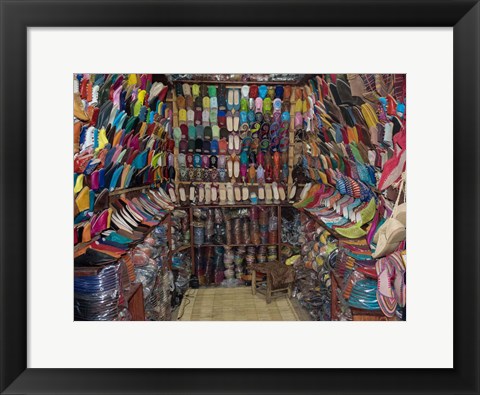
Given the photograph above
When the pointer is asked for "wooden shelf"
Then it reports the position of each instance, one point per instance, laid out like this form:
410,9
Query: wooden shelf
234,205
233,245
133,189
181,248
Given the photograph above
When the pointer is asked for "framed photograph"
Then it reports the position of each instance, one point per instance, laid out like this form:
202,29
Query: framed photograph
240,187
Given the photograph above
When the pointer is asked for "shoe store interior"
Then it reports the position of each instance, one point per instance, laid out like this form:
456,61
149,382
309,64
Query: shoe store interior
239,197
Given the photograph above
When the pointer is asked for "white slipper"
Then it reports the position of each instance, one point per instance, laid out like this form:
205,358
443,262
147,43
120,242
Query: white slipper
293,192
281,192
245,193
223,194
238,194
171,193
236,143
230,196
261,193
276,196
245,91
305,190
214,194
268,194
236,168
201,194
230,167
183,196
208,194
192,194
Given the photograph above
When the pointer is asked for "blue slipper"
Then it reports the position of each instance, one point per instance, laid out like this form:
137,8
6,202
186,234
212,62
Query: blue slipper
243,117
262,91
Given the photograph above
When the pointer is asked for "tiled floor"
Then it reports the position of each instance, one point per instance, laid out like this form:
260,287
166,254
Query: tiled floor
234,304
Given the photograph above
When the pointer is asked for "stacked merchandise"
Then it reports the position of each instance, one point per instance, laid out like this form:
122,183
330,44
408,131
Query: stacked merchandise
312,270
354,160
225,241
180,229
291,236
232,142
150,260
97,295
121,142
182,270
121,133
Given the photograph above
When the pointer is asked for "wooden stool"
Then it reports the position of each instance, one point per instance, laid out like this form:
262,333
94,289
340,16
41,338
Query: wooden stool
269,292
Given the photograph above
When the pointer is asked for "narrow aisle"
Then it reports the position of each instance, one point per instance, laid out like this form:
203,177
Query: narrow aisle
234,304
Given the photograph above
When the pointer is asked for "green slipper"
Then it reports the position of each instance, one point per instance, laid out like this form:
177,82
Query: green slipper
212,91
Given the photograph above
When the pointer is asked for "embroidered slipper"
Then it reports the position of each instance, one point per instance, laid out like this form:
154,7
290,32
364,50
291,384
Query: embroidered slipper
264,145
385,295
250,116
252,173
236,143
230,121
246,144
260,159
213,162
243,118
260,175
238,193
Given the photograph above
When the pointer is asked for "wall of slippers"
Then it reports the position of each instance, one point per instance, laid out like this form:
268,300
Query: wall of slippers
332,145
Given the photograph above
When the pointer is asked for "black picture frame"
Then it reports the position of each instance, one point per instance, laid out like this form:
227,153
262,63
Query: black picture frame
17,16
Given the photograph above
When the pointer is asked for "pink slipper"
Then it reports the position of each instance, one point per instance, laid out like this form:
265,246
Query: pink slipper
385,295
393,169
